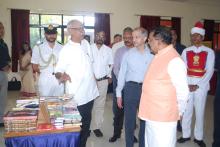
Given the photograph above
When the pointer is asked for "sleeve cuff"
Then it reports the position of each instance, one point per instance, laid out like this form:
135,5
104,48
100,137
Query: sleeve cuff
118,94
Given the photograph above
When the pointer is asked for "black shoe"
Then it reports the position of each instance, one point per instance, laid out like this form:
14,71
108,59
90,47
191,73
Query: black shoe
179,127
2,125
98,133
201,143
182,140
135,140
114,138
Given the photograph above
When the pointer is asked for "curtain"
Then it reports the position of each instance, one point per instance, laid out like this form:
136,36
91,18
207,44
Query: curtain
176,24
209,29
149,22
102,23
20,33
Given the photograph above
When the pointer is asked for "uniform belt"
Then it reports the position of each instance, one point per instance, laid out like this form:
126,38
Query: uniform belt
133,82
103,78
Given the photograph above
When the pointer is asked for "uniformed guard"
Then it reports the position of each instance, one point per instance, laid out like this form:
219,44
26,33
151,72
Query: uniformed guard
44,59
199,60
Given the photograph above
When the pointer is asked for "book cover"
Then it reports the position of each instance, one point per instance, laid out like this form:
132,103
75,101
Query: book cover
21,115
45,126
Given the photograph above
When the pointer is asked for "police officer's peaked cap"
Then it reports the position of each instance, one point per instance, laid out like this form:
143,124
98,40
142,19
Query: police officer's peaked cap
50,29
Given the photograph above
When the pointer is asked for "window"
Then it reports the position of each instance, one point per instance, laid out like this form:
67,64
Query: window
39,21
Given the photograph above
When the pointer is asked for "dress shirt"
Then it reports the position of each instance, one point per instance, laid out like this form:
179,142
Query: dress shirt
102,61
4,55
44,52
116,46
74,62
133,67
178,74
204,81
118,58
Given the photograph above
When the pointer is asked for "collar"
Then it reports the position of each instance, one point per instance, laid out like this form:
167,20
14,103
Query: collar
197,49
74,43
164,50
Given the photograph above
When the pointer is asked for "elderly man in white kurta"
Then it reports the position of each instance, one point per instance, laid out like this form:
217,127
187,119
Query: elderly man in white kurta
74,68
44,59
102,65
200,67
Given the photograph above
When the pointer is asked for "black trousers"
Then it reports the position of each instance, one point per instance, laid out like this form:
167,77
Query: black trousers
118,113
216,134
86,114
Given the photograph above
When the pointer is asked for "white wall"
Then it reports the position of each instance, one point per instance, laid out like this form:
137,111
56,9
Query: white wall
123,12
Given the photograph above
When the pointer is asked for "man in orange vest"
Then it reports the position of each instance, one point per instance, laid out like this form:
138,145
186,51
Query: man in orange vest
200,67
164,92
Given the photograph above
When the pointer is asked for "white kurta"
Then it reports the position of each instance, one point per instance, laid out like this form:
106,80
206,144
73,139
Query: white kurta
87,49
198,97
102,66
76,63
47,57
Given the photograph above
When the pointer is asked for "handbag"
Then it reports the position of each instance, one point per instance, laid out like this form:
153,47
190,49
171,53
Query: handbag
14,84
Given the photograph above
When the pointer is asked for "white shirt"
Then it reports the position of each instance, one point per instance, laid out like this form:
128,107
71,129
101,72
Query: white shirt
103,61
178,74
116,46
45,56
209,67
74,62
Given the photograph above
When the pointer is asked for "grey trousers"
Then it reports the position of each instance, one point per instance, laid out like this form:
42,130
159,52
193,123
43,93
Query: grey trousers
132,94
3,93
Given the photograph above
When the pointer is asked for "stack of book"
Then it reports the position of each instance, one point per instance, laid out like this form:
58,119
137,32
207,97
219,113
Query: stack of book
71,116
20,121
62,111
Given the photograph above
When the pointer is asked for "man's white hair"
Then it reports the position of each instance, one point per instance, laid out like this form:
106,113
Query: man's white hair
73,22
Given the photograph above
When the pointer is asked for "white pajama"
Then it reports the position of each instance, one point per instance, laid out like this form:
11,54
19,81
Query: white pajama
160,134
197,100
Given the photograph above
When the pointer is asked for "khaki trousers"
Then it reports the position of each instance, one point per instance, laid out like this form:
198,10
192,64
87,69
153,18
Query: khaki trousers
99,104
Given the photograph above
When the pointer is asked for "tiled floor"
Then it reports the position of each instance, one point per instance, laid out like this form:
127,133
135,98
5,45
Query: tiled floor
108,128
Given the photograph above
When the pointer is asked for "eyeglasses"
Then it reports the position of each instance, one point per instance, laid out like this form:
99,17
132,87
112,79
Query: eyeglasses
75,28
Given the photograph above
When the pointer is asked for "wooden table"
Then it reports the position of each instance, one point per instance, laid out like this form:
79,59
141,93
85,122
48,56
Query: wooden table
27,139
